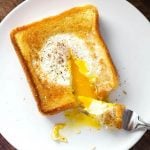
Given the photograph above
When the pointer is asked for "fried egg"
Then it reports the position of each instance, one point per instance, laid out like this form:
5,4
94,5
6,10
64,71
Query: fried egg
55,55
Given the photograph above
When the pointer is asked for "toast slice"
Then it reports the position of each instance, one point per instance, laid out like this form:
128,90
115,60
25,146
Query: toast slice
64,56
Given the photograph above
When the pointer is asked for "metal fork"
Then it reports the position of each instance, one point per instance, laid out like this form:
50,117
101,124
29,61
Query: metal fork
133,122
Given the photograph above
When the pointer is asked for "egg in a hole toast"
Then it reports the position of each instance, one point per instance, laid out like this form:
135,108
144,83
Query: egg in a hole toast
68,64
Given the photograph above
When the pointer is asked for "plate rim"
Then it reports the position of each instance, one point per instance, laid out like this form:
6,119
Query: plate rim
8,16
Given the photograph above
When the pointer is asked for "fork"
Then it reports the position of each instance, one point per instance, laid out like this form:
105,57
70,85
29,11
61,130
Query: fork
132,121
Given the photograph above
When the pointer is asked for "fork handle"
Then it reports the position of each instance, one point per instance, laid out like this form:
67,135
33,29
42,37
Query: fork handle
142,124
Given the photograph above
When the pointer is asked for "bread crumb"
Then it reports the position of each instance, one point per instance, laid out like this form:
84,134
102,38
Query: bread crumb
120,84
93,148
78,131
124,92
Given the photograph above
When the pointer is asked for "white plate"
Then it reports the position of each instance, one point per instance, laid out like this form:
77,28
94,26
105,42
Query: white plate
127,34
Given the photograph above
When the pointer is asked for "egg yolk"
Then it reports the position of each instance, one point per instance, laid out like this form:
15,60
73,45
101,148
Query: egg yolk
81,83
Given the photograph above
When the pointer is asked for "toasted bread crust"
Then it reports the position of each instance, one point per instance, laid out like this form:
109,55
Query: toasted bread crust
28,72
119,115
104,94
115,73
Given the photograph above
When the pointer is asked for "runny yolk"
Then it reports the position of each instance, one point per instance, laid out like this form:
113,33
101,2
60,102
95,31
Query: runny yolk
78,119
81,83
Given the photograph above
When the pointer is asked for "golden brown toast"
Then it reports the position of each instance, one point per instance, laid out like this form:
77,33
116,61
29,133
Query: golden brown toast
36,45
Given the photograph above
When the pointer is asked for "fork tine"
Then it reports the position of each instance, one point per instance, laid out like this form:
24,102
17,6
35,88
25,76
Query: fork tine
127,115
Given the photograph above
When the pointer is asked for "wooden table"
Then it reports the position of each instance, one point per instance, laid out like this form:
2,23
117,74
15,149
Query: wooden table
143,5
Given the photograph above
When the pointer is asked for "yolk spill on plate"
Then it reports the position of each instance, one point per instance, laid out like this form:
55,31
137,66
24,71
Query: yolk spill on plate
56,133
75,118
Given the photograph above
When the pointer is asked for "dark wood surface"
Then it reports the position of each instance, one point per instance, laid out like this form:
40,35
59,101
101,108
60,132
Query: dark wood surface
143,5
